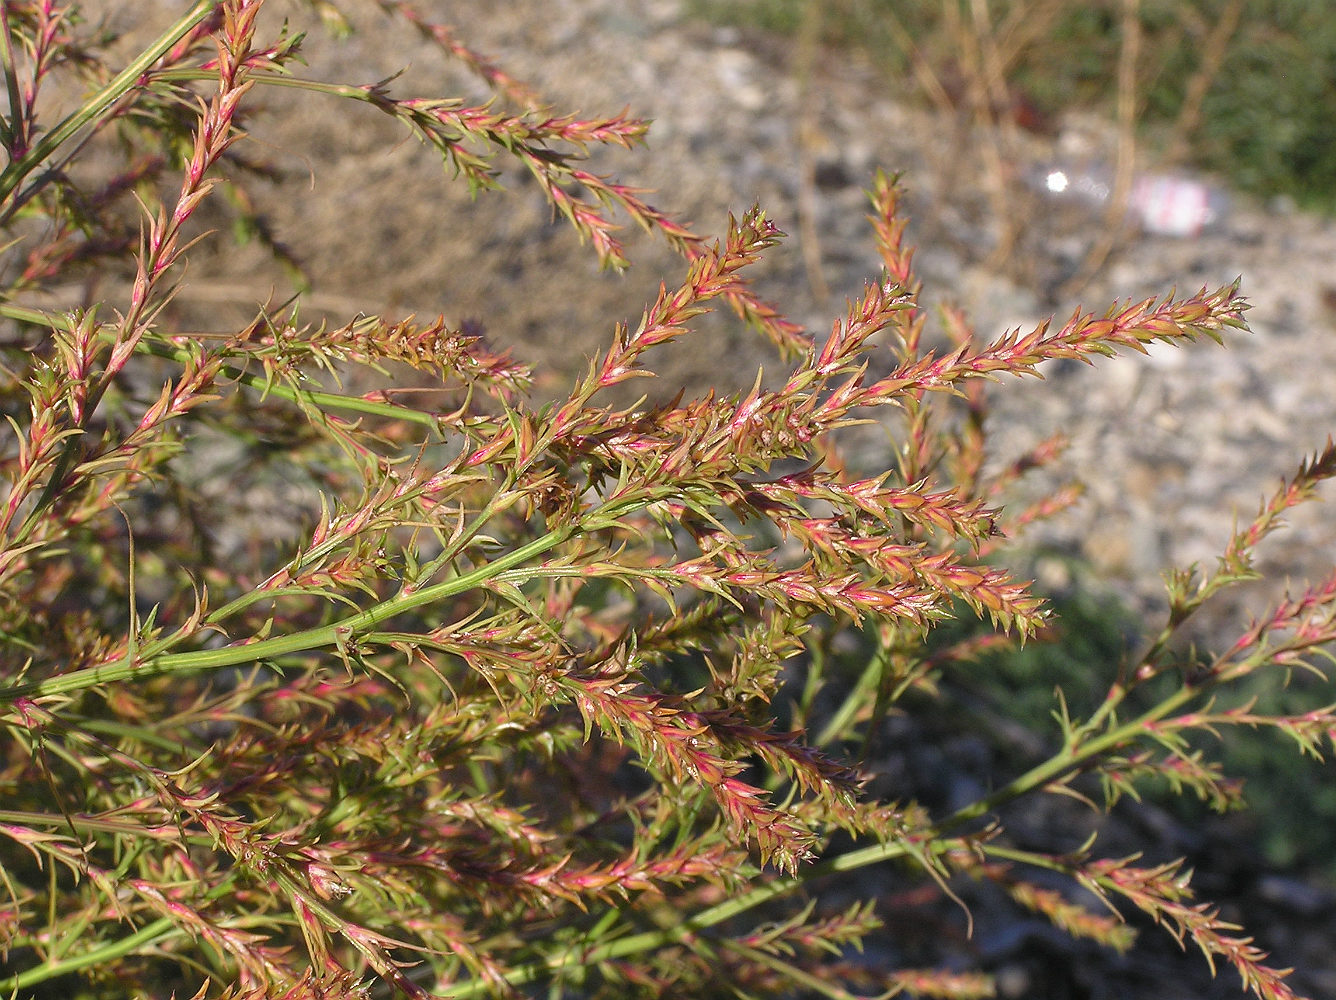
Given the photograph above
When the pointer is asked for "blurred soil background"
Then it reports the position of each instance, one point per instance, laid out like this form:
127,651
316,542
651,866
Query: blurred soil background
794,106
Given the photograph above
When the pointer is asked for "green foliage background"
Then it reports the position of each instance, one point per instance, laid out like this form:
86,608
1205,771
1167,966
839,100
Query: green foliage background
1267,118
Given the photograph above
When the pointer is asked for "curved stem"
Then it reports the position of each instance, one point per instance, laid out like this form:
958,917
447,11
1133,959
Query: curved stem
148,934
337,634
162,348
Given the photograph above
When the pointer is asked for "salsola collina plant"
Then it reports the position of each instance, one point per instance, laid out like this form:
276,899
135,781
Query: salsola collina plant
538,697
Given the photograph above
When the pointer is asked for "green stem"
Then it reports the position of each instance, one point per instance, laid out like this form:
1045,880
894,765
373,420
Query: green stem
17,817
1029,858
867,682
149,934
124,81
1069,759
315,397
353,92
338,633
318,398
13,133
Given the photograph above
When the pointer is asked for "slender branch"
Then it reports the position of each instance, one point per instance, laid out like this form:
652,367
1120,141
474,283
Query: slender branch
150,934
162,347
92,109
341,632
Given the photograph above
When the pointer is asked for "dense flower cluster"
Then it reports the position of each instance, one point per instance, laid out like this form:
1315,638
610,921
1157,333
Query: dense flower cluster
532,693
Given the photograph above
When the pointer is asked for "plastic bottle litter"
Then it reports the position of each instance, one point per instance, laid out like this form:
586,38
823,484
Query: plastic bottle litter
1162,204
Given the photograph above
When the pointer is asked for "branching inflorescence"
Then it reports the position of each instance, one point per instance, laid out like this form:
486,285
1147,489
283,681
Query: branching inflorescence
507,708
